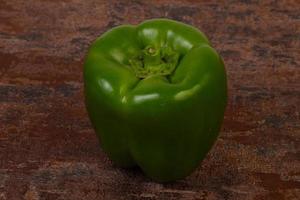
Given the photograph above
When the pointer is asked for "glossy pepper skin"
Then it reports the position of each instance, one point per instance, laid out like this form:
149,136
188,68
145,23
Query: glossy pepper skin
156,95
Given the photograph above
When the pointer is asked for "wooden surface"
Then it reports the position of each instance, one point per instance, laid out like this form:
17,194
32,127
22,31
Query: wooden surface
48,149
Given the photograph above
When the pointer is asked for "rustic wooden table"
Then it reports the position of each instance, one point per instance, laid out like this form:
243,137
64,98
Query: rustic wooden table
48,149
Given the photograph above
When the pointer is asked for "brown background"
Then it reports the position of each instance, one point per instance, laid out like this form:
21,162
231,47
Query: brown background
48,149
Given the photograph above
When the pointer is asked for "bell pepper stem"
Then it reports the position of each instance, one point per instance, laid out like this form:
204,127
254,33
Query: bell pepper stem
154,61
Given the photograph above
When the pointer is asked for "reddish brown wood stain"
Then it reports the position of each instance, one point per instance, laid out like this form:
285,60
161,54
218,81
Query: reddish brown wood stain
48,149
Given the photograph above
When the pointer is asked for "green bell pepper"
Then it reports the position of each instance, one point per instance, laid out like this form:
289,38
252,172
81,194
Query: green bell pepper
155,94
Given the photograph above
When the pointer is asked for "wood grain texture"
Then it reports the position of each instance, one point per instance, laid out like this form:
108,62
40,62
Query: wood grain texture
48,149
